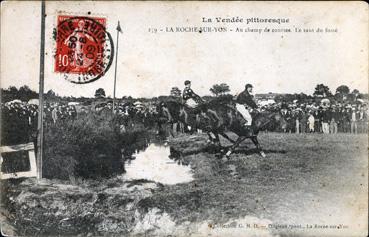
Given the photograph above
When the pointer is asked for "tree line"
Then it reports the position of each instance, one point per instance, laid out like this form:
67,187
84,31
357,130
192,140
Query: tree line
342,93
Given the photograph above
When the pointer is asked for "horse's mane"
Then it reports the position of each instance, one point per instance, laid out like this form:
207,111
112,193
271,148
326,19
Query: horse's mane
172,102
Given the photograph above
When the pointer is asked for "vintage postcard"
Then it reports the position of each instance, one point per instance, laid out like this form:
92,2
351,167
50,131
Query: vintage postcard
184,118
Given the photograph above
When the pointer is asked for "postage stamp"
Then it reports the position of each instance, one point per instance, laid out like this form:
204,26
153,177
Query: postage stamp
84,49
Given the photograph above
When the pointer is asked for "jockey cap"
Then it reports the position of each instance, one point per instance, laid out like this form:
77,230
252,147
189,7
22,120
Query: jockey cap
248,86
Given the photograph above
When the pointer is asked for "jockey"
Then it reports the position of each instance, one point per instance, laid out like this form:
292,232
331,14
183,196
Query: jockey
190,98
245,104
192,101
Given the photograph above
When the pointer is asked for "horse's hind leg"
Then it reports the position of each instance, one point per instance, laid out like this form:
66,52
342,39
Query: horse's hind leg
258,147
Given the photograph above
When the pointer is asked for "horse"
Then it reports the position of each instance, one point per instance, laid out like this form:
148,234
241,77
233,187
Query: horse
169,112
259,122
220,115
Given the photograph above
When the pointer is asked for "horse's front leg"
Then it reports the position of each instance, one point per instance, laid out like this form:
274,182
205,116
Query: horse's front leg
165,129
258,147
211,137
234,146
226,137
217,140
181,127
183,113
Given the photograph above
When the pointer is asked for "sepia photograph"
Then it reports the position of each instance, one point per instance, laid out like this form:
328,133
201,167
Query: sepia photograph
184,118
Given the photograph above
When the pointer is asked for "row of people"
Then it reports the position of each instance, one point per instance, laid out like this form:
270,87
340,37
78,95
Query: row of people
19,119
327,120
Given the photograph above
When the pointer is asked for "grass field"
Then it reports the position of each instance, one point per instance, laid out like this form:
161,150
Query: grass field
307,185
305,179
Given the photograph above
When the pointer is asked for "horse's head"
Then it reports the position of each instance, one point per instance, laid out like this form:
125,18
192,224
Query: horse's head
162,113
169,111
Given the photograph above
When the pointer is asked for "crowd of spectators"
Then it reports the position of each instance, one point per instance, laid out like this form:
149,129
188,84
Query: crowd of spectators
19,119
300,117
326,118
130,114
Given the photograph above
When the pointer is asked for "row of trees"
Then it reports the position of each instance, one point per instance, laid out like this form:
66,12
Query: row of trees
24,93
216,90
343,90
342,93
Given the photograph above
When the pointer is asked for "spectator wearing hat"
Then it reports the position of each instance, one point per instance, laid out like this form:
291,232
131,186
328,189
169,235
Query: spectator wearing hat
297,121
362,120
48,117
54,114
340,122
346,120
333,121
353,120
365,108
325,121
318,118
303,121
311,122
290,121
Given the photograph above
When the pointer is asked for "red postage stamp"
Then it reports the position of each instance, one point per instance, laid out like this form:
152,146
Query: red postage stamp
84,49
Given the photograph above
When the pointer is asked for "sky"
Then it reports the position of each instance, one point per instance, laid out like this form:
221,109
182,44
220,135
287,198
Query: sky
151,64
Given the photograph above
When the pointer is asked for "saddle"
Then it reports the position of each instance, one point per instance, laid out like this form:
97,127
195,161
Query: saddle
194,110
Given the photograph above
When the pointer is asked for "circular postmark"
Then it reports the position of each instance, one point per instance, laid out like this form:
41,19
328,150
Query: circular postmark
84,49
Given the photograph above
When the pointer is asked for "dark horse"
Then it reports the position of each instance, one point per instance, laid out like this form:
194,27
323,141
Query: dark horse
218,116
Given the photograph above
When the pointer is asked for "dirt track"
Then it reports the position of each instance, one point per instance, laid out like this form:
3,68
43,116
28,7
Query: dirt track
313,179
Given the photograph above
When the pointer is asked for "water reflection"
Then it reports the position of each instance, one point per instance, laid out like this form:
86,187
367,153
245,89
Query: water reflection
155,163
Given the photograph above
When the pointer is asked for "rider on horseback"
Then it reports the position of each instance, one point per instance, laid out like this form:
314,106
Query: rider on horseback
245,104
191,102
190,98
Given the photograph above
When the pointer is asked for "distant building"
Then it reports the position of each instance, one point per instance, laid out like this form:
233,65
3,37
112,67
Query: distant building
266,102
268,96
